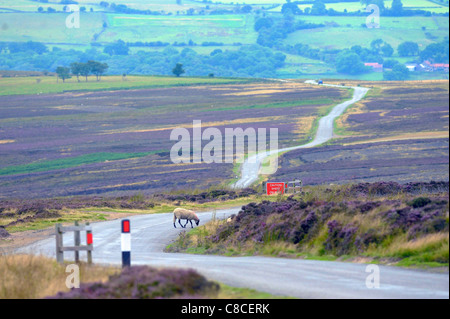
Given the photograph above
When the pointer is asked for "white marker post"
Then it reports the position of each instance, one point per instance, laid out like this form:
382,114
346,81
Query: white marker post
126,243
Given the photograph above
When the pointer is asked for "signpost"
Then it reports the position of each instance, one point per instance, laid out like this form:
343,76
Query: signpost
293,187
275,188
126,243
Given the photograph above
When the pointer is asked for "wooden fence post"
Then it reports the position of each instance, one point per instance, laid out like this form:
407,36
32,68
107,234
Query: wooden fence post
77,241
59,244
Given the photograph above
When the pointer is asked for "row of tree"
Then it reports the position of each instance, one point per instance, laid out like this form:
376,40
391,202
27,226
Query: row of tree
16,47
82,69
247,61
318,7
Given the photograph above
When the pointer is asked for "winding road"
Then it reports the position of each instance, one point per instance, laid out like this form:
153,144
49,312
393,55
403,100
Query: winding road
250,169
280,276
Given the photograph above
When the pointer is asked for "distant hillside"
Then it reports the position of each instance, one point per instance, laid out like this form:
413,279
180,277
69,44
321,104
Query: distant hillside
158,34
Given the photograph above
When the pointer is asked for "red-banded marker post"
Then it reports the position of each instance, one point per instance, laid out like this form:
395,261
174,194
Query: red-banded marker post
126,243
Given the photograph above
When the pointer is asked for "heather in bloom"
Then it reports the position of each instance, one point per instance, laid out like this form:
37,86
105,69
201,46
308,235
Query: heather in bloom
142,282
357,224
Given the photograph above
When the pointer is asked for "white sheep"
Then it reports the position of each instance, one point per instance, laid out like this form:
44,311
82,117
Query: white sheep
189,215
231,218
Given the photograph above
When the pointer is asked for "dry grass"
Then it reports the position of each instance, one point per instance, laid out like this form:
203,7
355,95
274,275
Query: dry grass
408,136
388,84
35,277
304,126
402,246
6,141
189,125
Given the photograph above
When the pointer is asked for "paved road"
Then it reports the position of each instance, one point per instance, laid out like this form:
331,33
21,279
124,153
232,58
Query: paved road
289,277
250,169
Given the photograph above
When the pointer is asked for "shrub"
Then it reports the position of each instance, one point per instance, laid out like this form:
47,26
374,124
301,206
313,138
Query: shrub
142,282
420,202
340,238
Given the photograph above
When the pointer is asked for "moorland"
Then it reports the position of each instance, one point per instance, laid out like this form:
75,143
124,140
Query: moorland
118,141
399,132
74,147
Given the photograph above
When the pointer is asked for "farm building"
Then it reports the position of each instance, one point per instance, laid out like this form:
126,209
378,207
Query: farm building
432,67
413,67
375,66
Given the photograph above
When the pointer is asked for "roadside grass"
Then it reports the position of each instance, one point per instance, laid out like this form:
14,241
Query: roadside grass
98,214
37,277
227,292
67,217
424,253
428,251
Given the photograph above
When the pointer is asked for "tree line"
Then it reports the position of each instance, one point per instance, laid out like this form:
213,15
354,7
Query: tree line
318,7
247,61
82,69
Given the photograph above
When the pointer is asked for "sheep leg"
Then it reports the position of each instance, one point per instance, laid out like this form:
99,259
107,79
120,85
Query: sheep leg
187,221
179,221
174,221
191,224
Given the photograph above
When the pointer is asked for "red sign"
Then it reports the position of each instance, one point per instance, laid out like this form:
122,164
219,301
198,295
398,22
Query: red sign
89,239
275,188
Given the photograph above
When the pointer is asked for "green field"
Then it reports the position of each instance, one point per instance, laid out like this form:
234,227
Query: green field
29,85
68,162
344,32
49,28
339,33
232,30
222,28
32,6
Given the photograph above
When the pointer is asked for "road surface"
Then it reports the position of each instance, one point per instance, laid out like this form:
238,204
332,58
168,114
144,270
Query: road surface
279,276
250,169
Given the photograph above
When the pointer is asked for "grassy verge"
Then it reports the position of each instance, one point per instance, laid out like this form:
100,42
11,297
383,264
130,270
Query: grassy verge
66,217
36,277
29,220
227,292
